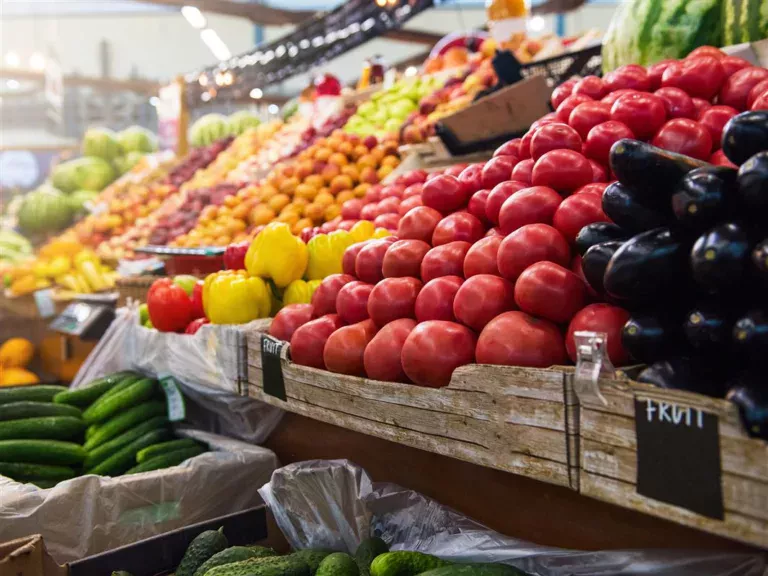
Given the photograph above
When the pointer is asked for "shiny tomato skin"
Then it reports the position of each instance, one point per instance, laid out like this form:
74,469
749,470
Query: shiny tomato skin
170,307
685,136
498,196
472,177
517,339
563,170
550,291
613,96
732,64
344,349
757,90
603,318
736,89
352,301
677,102
324,297
418,224
536,204
288,319
523,171
351,209
562,92
530,244
481,298
393,298
719,158
434,349
308,341
599,173
710,51
586,116
497,169
594,188
577,211
350,256
655,72
509,148
382,356
591,86
435,301
403,258
576,268
413,190
628,77
481,258
553,136
598,144
643,113
701,106
387,221
370,259
458,227
455,170
525,145
408,203
388,205
700,77
761,102
445,194
567,106
477,203
714,119
445,260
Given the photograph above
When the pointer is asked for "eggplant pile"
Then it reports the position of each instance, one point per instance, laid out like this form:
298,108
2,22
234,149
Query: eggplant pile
687,255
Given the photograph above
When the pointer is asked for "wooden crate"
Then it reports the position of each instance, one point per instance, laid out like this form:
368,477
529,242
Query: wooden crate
513,419
134,288
608,456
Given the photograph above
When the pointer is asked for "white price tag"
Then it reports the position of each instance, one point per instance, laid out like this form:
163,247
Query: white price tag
44,301
175,400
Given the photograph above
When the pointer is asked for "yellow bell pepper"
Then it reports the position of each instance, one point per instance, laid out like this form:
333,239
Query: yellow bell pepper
24,285
362,231
234,297
277,254
300,292
381,233
326,252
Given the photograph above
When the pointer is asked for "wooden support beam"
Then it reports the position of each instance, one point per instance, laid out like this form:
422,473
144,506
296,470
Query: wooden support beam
257,13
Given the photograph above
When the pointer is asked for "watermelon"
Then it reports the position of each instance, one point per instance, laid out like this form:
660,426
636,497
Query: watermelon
744,21
101,143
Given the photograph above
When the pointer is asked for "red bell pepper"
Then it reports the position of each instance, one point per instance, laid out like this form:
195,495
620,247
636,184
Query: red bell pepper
170,308
234,256
197,301
195,325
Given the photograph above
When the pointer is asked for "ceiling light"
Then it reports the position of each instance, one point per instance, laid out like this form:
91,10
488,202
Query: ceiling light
280,51
37,62
256,93
411,71
304,44
273,109
193,15
205,96
536,24
203,80
12,84
215,44
154,101
293,51
12,59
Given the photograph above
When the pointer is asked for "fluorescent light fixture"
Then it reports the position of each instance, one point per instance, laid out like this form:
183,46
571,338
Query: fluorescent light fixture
195,18
293,51
12,84
256,93
280,51
273,109
37,61
368,24
536,24
411,71
205,96
12,59
154,101
304,44
215,44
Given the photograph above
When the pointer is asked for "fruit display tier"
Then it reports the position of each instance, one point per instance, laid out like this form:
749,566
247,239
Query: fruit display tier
530,422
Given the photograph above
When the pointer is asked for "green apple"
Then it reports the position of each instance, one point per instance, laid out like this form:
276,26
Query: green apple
380,116
186,281
143,314
401,108
366,109
392,125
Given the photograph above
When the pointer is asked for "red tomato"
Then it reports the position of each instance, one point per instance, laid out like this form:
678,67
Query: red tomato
344,349
460,226
629,77
544,120
613,96
472,178
523,171
525,145
481,298
577,211
655,72
369,211
736,89
393,298
288,319
373,194
553,136
577,269
530,244
455,170
517,339
198,311
600,318
477,203
413,177
594,188
445,194
710,51
445,260
644,114
435,301
714,119
324,297
677,103
434,349
701,106
352,301
370,259
700,77
563,170
567,106
493,232
409,203
350,210
403,258
562,92
413,190
350,256
599,174
498,170
387,221
418,224
757,90
586,116
761,103
598,144
170,307
528,206
550,291
393,191
720,159
388,205
308,341
732,64
509,148
347,224
498,196
685,137
481,258
591,86
382,355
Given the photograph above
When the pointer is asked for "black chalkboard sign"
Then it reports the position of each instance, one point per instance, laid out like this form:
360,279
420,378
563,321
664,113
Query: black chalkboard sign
272,369
678,456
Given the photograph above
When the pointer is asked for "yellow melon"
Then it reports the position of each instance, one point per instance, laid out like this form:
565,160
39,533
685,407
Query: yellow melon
16,353
17,377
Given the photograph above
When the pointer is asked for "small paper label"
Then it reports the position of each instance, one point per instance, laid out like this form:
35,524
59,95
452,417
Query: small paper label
272,367
44,300
175,400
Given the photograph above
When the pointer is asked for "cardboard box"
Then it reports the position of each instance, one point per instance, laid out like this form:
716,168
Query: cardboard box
28,557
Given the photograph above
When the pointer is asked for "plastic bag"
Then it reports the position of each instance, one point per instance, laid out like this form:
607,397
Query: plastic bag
206,364
334,504
91,514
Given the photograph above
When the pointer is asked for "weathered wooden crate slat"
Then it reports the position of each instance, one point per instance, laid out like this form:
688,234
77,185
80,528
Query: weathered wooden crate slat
507,418
608,456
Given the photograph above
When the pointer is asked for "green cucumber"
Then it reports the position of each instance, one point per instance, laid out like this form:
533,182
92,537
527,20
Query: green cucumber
125,421
124,458
35,393
90,431
367,552
48,427
21,471
116,389
134,394
404,563
165,447
203,547
42,483
87,395
338,564
269,566
28,409
233,554
41,452
106,450
167,460
312,558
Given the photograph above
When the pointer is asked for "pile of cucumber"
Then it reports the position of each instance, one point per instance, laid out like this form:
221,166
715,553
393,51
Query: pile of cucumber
115,425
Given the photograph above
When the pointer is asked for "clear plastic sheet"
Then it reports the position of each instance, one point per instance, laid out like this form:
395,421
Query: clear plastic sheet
334,504
91,514
206,365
